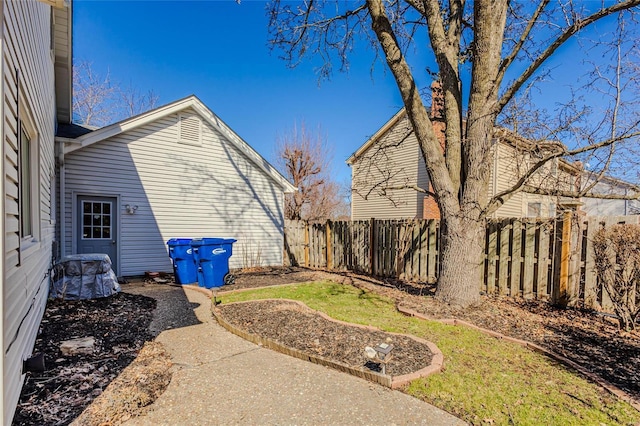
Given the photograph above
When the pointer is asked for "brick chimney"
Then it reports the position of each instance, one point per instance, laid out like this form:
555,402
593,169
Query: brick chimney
437,112
437,100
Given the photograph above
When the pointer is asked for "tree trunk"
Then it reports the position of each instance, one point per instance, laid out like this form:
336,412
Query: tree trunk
462,240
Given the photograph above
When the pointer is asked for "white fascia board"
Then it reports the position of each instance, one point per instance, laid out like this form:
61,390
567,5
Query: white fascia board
377,135
128,124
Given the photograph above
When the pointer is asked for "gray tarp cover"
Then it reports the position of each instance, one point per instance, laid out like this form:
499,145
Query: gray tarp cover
85,276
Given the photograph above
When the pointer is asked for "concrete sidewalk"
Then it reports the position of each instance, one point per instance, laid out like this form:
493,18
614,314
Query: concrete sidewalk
220,378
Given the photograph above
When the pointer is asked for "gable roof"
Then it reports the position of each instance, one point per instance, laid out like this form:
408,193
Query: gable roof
82,141
377,135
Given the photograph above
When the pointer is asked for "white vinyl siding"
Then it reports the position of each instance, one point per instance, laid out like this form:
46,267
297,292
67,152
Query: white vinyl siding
187,191
27,67
505,171
394,160
609,207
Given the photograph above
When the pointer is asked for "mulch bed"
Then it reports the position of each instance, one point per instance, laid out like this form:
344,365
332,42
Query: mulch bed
261,277
298,327
120,325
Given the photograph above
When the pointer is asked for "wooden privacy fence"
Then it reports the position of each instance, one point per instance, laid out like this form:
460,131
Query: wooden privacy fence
549,259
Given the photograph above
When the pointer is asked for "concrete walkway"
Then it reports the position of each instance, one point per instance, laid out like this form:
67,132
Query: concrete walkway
220,378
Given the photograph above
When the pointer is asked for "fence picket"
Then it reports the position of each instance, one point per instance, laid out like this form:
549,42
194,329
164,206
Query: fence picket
516,257
491,257
529,258
503,257
432,268
544,253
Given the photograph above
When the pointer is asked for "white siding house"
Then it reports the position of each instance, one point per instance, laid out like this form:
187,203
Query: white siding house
175,172
390,158
386,168
34,61
606,185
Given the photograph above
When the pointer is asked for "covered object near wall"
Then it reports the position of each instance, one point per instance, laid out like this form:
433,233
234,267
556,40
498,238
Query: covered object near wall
174,172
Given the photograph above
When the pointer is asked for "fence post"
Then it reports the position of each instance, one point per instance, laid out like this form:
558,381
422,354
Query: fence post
306,243
372,240
329,256
575,258
560,296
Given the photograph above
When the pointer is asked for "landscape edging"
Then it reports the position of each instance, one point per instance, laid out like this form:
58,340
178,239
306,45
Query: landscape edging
393,382
537,348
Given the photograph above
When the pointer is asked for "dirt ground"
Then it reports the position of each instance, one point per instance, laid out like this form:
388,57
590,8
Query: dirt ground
300,328
121,325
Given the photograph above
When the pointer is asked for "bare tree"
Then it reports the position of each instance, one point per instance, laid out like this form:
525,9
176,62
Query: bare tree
134,102
485,52
305,160
98,101
93,96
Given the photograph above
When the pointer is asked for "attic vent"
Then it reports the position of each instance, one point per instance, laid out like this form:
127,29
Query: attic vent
190,129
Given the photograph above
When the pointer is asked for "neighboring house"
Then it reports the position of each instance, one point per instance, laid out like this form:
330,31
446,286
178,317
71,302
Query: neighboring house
36,93
610,207
390,164
175,171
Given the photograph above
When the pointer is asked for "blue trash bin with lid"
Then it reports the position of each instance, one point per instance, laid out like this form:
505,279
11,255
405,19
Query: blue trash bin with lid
181,254
211,257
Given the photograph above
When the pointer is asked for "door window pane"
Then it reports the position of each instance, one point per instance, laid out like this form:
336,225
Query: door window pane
96,220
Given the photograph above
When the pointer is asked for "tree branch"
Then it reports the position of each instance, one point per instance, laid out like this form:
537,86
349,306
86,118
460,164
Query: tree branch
559,41
507,61
578,194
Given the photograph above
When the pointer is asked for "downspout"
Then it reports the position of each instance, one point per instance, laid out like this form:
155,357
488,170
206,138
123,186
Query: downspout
62,200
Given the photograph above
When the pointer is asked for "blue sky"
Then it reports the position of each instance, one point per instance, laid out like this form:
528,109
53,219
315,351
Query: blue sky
218,51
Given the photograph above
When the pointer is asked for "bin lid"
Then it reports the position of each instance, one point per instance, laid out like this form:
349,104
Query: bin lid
206,241
211,241
179,242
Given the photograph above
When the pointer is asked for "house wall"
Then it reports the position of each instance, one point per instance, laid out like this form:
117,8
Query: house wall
394,160
605,207
505,170
181,190
27,68
508,165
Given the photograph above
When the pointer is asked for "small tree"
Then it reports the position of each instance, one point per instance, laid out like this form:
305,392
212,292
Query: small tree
93,96
98,101
617,258
304,159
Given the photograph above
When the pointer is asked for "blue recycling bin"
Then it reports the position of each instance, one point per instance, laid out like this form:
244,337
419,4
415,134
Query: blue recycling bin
181,254
211,257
